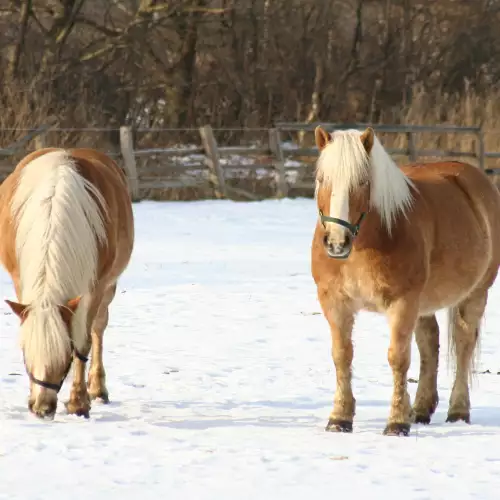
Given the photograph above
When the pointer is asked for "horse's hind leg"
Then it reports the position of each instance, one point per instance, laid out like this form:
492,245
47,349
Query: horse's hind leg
464,325
97,375
426,399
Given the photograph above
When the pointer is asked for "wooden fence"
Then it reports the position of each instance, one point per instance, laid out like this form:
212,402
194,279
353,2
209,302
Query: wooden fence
209,162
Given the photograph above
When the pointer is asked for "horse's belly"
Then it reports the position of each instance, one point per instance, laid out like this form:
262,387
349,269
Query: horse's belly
448,285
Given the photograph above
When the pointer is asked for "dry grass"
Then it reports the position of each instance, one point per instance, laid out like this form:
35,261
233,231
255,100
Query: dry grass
468,109
30,107
465,110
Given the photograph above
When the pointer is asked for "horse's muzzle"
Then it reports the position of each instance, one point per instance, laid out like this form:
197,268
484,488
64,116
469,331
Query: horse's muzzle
338,250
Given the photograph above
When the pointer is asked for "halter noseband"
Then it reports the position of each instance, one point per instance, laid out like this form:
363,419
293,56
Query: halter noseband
353,228
57,387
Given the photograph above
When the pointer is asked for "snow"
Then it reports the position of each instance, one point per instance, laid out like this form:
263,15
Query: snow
221,381
235,166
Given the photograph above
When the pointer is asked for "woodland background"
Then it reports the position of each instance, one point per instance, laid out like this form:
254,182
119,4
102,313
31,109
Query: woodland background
248,63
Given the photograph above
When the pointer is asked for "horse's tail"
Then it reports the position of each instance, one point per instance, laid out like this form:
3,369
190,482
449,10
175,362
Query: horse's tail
456,322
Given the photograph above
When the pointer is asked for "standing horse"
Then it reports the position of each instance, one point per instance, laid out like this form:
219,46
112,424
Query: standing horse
67,234
404,242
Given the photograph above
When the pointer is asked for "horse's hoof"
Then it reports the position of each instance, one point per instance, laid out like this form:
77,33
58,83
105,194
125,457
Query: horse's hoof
422,418
82,413
457,416
102,398
78,410
397,430
336,425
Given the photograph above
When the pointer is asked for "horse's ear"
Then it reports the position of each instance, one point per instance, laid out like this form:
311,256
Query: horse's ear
322,137
367,138
69,309
73,303
17,308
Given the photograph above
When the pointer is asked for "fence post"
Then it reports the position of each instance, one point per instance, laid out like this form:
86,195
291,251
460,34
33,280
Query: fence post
40,141
127,150
412,150
41,138
213,161
480,149
275,147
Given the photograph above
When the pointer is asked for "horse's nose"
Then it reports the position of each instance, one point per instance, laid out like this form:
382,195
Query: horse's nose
338,248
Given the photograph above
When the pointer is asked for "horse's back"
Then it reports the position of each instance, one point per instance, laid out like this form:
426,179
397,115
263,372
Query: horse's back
472,179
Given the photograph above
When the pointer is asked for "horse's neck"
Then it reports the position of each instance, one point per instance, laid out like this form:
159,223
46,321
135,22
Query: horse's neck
373,233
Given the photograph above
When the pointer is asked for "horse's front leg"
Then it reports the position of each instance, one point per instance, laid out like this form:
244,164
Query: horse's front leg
79,400
402,316
97,374
341,322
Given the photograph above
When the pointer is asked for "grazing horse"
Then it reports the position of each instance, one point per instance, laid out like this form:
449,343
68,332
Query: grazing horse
404,242
67,234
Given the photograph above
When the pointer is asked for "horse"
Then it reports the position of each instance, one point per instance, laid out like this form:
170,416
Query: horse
67,235
404,242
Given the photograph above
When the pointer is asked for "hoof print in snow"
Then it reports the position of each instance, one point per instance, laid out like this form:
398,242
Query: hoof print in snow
397,430
457,417
486,372
335,425
168,371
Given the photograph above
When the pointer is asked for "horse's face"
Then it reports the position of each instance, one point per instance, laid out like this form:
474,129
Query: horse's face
342,199
338,239
46,375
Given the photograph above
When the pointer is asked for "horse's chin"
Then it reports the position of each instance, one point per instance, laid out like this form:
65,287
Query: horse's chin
344,254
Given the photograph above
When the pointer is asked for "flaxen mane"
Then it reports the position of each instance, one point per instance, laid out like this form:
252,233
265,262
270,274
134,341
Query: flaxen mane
344,164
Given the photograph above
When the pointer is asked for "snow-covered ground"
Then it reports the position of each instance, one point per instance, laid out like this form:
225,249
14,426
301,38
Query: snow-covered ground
221,382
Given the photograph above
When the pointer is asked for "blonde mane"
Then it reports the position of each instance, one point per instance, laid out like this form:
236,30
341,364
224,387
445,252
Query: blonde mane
344,164
59,226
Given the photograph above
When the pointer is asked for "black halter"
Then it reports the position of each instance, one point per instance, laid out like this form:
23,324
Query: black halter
353,228
57,387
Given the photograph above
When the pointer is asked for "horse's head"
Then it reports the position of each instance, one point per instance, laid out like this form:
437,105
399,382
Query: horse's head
342,186
46,342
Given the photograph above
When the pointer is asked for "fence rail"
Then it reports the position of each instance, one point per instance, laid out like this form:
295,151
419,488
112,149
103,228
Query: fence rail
209,164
